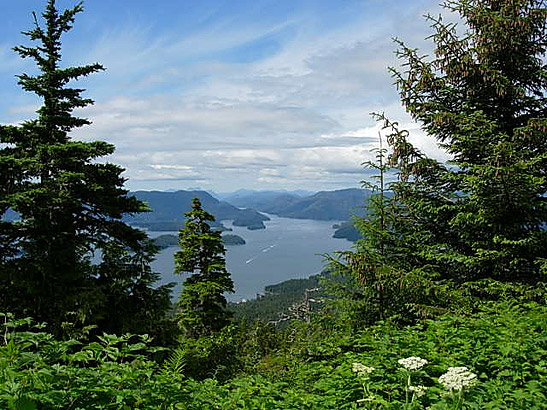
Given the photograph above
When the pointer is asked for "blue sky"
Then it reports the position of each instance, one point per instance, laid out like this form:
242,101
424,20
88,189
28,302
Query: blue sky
225,95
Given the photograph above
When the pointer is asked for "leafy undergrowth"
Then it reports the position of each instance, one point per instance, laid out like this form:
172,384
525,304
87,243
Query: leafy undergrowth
503,347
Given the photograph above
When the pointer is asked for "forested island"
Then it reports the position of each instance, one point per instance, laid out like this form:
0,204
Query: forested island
231,240
346,230
165,241
441,303
251,219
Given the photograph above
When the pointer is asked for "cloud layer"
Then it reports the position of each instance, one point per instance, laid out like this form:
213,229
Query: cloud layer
247,99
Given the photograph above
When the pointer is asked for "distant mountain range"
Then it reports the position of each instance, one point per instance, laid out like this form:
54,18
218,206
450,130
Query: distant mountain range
337,205
242,207
246,193
168,210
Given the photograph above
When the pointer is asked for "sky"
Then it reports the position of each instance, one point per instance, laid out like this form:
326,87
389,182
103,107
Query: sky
224,95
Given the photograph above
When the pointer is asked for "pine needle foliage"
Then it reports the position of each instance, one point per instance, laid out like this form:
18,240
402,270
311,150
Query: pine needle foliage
202,305
445,229
69,203
482,97
380,278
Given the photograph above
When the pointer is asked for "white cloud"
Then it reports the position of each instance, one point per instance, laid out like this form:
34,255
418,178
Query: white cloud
179,114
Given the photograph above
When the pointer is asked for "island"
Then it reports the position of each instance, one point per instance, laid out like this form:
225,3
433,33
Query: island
256,226
230,240
251,219
171,226
346,230
165,241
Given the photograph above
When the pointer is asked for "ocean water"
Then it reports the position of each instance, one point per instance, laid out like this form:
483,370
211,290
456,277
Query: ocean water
286,249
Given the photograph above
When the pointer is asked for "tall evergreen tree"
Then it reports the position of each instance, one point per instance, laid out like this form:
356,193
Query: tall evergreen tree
202,305
483,217
380,277
70,206
482,96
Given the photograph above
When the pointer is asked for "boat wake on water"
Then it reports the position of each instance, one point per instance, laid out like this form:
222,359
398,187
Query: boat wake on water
269,248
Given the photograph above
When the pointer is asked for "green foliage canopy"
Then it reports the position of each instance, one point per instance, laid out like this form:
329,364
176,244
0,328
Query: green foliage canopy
202,305
481,219
482,96
69,204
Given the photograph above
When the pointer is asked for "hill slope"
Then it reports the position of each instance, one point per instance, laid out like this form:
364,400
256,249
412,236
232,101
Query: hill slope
168,210
265,201
325,205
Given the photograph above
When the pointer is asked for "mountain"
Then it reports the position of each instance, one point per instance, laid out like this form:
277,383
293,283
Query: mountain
325,205
168,210
168,207
266,201
246,195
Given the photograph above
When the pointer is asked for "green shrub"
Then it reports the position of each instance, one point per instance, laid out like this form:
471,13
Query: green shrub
307,367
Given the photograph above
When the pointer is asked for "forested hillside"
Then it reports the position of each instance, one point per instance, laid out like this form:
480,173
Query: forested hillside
282,302
168,208
441,303
337,205
266,201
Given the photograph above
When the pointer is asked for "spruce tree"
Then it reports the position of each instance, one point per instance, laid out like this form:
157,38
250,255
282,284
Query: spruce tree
380,277
202,305
482,96
480,221
69,204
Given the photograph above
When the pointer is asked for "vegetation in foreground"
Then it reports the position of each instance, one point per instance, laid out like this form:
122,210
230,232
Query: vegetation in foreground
303,367
441,304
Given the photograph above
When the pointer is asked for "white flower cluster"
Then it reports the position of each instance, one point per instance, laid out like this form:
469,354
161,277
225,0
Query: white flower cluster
419,391
457,378
362,370
412,363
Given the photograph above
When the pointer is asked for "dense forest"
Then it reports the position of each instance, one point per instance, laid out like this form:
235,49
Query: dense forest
440,304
